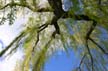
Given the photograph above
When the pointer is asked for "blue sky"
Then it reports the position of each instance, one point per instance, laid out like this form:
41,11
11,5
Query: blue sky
61,61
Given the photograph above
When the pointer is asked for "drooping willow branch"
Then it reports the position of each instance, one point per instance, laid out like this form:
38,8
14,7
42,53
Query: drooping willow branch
11,44
18,38
17,44
42,56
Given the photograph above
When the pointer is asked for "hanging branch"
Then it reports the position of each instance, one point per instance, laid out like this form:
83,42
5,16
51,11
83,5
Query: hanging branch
40,28
79,67
11,44
98,46
91,58
13,50
41,58
87,38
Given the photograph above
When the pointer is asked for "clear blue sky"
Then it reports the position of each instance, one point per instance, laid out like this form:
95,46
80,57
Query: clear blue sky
60,61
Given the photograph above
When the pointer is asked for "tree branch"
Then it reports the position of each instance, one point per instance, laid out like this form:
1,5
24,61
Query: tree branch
91,29
87,38
58,13
79,67
42,56
82,60
98,46
91,58
40,28
13,49
10,45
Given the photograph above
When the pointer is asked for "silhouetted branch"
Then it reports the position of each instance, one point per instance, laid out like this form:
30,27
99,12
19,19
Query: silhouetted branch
43,27
87,38
18,42
82,60
91,58
98,46
58,12
10,45
79,67
91,29
40,28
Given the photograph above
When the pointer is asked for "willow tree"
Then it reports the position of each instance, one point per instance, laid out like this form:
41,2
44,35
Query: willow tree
50,27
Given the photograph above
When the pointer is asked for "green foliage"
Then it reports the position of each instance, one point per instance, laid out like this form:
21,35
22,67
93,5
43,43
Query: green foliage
40,38
76,6
11,16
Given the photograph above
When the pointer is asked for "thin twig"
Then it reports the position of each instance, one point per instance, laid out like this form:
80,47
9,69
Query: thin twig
90,54
82,60
36,42
79,67
40,28
44,50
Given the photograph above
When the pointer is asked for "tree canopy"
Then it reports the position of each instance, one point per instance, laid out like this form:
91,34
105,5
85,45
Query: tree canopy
53,25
